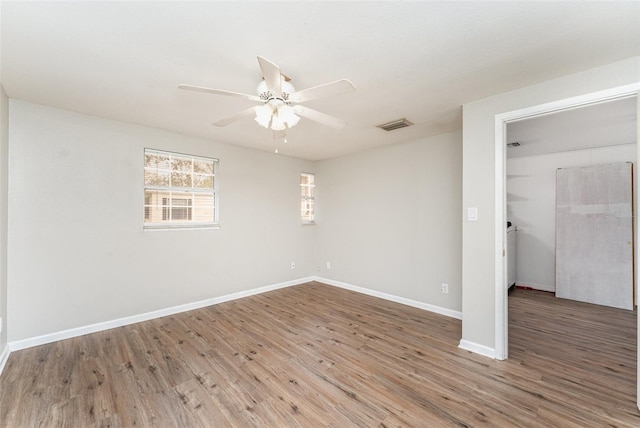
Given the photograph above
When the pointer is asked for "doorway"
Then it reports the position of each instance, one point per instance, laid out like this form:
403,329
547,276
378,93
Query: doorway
542,149
501,122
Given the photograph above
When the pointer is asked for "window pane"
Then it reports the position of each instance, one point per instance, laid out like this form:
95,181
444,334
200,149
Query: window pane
203,181
181,199
158,161
166,209
148,197
307,210
204,167
153,205
306,192
154,177
203,207
180,209
180,202
181,164
306,179
180,179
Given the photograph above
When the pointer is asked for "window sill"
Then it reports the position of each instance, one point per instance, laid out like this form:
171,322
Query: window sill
180,227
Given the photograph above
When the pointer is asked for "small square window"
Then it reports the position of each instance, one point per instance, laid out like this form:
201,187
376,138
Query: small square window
179,190
307,201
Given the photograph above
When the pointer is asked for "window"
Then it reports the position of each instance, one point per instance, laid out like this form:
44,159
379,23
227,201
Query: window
179,190
176,209
147,209
307,205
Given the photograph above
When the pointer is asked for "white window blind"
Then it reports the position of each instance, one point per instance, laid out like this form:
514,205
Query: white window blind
179,190
307,201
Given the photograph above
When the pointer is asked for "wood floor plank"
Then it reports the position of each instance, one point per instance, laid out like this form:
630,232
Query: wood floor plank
314,355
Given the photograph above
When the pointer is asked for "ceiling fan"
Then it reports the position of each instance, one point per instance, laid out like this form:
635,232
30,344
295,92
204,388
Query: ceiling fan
279,107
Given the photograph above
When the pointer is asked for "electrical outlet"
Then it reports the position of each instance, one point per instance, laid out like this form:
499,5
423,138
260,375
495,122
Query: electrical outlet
293,265
445,288
328,265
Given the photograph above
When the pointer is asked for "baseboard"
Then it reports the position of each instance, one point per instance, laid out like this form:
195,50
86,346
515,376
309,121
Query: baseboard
93,328
4,356
477,348
391,297
533,286
107,325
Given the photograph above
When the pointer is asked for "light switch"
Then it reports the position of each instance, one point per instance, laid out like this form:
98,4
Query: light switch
472,213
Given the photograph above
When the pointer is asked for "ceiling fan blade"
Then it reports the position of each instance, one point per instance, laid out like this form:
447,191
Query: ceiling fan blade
327,90
271,75
324,119
244,113
218,92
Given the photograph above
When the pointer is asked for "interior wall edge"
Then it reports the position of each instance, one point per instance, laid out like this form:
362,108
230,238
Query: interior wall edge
4,207
4,356
477,348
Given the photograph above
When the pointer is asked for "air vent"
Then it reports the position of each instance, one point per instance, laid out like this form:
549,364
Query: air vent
514,144
396,124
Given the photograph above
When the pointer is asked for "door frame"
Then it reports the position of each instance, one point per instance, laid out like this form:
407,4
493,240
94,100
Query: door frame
501,121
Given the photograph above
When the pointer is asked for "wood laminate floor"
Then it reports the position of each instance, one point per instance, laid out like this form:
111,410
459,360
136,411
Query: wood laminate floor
314,355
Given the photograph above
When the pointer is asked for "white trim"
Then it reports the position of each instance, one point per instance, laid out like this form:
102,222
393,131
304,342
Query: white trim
501,325
541,287
402,300
500,312
93,328
579,101
478,349
4,356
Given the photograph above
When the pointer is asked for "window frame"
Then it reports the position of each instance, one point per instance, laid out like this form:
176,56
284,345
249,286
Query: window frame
310,197
180,193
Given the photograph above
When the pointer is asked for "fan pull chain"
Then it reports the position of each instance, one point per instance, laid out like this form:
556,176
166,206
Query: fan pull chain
276,138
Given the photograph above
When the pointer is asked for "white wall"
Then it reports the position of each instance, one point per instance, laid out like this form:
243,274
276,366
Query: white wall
77,250
479,184
79,256
637,254
4,163
531,206
389,220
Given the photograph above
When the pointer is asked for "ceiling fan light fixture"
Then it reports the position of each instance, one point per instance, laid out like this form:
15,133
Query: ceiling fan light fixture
283,118
278,126
278,98
264,114
287,88
262,90
287,115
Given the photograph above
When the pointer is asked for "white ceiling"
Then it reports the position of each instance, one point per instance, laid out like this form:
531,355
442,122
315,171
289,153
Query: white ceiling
419,60
604,124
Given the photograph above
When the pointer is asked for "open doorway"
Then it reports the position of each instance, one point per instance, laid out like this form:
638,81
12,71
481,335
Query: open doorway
576,140
501,123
